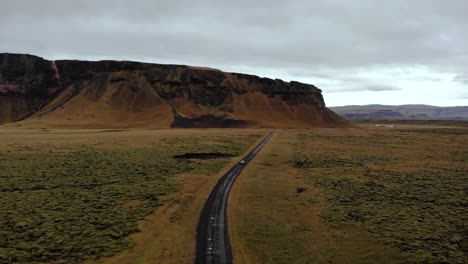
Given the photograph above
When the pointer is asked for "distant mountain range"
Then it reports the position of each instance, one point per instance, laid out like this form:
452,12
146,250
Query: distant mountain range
402,112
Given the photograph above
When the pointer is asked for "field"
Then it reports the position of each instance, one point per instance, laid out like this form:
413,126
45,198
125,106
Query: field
425,123
72,195
359,195
373,195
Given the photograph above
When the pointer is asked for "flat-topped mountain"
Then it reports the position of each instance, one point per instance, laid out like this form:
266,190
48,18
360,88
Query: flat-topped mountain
69,93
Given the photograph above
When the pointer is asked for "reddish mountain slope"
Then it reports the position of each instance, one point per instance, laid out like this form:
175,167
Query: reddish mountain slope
132,94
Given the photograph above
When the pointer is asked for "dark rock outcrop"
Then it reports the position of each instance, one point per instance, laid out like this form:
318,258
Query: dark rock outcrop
27,83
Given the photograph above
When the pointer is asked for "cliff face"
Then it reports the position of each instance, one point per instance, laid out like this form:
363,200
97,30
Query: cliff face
133,94
27,83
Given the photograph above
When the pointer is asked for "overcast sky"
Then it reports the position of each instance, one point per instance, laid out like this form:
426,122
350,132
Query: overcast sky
356,51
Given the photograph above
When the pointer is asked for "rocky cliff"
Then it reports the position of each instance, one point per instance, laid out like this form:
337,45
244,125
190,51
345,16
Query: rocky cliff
133,94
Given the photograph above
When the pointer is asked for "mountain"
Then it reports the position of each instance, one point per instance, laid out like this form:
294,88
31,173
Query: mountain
404,112
70,93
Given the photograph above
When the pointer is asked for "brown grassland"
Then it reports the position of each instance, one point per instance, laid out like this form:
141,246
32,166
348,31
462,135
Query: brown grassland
108,196
358,195
363,195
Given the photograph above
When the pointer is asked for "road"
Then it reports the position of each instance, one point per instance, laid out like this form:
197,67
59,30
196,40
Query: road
212,232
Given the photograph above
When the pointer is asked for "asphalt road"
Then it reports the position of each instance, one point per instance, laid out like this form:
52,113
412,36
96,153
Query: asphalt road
212,232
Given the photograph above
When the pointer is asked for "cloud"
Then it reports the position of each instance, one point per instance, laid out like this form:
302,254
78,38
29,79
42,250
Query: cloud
461,78
381,88
328,41
357,87
279,33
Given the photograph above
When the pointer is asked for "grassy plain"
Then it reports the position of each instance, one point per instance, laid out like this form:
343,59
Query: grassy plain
68,195
369,195
363,195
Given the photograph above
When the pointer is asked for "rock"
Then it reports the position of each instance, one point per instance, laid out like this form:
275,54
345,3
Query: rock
154,94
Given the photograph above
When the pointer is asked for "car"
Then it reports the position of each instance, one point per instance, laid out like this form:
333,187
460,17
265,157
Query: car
242,162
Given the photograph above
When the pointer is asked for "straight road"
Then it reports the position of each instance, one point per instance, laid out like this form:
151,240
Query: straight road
212,239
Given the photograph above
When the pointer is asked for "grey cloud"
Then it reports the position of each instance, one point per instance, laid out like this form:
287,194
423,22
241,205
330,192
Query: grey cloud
461,78
461,95
356,87
297,38
337,33
381,88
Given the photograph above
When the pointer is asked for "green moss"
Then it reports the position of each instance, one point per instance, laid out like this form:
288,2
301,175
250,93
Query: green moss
421,217
329,161
411,196
67,206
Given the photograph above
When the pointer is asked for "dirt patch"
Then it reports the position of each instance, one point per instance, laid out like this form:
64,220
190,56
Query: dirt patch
112,130
203,156
132,203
